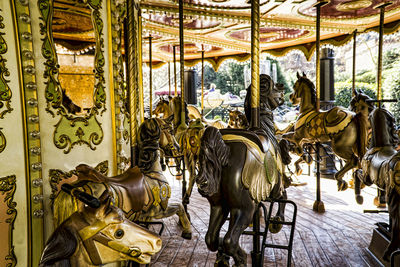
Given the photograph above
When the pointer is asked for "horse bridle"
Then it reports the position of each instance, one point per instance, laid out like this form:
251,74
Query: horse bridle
90,233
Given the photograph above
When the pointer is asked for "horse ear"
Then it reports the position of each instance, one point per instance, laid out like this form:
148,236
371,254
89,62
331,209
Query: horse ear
298,75
304,74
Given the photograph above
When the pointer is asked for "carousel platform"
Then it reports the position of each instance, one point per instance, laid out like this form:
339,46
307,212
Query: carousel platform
339,237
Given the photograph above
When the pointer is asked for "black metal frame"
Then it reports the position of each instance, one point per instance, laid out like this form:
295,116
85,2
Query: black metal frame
258,252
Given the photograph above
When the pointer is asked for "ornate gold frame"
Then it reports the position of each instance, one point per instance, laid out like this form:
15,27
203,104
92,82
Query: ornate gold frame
72,129
8,187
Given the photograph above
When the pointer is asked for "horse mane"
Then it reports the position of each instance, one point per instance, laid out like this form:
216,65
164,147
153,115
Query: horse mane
214,155
176,108
311,86
60,247
148,144
390,123
359,96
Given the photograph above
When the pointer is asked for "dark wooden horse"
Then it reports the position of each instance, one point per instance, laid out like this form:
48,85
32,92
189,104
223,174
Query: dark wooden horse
237,170
381,166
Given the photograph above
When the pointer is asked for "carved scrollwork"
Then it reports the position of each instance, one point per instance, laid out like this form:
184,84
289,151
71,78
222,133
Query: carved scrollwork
8,187
5,91
56,176
73,129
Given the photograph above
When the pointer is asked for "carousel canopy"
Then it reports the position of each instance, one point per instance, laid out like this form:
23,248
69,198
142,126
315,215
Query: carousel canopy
222,27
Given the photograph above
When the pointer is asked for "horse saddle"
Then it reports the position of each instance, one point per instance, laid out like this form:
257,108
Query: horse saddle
373,161
262,146
132,181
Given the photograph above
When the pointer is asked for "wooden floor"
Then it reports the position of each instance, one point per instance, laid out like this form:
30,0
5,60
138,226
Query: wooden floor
339,237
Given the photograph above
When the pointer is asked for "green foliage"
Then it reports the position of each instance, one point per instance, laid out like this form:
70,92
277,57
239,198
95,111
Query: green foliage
390,58
367,77
343,92
341,76
391,88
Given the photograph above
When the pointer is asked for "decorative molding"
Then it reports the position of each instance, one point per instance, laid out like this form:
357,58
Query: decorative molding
56,176
73,129
117,14
25,67
5,91
8,187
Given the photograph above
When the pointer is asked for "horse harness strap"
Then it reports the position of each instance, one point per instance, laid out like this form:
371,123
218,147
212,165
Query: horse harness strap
90,233
158,189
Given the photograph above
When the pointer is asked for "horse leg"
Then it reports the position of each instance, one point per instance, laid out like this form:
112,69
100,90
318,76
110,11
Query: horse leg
177,208
280,215
239,221
218,217
299,170
191,169
394,214
357,177
350,164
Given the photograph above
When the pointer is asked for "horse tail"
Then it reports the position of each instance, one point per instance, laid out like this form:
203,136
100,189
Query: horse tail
362,133
64,206
214,155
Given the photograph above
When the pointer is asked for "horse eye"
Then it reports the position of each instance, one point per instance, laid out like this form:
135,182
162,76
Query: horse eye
119,233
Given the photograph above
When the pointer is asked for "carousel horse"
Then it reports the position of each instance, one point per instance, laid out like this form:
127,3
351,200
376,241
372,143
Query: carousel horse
238,169
96,236
165,110
237,120
346,130
141,192
381,166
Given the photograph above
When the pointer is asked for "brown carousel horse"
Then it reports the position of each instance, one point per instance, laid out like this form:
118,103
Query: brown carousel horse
141,192
96,236
346,130
381,166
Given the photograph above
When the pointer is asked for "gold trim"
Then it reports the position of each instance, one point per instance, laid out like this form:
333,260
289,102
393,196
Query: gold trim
111,84
8,187
35,225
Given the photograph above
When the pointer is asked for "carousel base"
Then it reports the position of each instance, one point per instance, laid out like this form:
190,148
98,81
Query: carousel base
378,245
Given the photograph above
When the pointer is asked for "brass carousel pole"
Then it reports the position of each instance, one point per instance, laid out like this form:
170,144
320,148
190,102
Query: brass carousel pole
150,76
169,79
182,62
318,204
140,68
255,63
256,253
381,7
353,91
176,85
202,80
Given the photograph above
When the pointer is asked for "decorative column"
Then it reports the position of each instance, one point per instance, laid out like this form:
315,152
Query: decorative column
182,61
255,63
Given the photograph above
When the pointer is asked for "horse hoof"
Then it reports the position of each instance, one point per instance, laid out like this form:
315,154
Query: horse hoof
275,228
319,206
359,199
187,236
342,185
222,260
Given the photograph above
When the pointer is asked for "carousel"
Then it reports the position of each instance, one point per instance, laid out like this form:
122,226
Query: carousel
94,167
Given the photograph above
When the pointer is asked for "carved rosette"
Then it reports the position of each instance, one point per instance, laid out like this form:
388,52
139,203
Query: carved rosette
73,129
7,188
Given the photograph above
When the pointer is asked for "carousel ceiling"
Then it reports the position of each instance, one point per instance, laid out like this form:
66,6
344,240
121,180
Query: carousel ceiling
222,27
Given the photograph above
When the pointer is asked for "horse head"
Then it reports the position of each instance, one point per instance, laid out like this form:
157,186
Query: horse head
148,143
383,128
360,103
162,107
301,87
94,236
167,140
237,120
